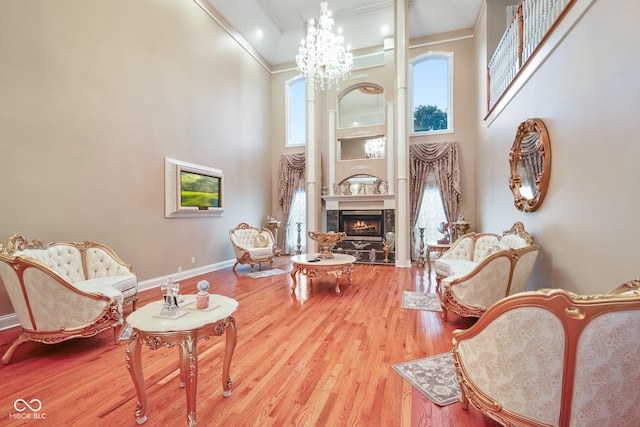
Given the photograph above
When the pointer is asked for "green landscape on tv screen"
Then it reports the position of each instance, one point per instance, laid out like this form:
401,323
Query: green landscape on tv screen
198,190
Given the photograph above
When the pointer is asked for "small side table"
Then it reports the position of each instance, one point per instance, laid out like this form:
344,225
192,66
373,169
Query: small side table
274,225
155,331
459,228
435,247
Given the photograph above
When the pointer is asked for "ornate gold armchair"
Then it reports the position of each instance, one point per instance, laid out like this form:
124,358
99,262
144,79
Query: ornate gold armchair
64,290
552,358
252,245
481,268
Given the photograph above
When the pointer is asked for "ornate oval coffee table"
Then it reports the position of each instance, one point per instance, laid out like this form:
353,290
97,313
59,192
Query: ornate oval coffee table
312,266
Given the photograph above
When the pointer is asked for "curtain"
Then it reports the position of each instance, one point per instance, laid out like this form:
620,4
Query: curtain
291,177
442,158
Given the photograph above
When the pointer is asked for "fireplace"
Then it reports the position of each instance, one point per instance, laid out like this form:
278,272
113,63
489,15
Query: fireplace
362,224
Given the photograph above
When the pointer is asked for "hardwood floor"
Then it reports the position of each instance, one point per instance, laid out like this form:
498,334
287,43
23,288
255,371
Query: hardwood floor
310,359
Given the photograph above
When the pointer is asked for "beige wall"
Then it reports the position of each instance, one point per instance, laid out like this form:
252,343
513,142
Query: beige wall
94,95
587,93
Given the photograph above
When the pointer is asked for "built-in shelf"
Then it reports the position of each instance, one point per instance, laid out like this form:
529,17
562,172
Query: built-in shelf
358,197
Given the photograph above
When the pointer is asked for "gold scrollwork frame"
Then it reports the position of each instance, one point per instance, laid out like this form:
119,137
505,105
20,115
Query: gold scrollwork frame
541,150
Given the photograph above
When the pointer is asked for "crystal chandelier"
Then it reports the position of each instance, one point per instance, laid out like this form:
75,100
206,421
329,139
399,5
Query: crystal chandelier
322,58
374,148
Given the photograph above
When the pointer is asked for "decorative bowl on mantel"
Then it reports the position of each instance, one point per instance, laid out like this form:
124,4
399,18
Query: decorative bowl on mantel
327,241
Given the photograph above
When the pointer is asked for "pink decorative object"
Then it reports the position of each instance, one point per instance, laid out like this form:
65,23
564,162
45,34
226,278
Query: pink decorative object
202,299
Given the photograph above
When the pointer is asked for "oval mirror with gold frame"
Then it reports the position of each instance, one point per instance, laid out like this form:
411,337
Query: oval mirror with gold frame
530,162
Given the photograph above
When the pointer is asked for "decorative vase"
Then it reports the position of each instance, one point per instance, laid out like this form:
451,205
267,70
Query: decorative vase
327,242
386,251
372,256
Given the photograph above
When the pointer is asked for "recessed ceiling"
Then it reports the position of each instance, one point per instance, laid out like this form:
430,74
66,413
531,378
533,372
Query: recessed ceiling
282,22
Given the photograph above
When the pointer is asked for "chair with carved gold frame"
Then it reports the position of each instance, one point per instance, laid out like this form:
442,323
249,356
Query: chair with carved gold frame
252,245
553,358
479,269
64,290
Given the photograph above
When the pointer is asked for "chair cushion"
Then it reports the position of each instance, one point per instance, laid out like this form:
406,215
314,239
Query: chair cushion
257,253
261,240
497,248
101,286
513,241
449,266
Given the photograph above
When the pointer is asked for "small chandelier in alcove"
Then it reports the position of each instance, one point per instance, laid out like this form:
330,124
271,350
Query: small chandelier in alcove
323,58
374,148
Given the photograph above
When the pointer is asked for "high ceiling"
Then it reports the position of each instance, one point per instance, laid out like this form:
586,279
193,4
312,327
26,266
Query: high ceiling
282,22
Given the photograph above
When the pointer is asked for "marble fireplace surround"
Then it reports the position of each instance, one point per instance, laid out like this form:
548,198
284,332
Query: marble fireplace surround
384,203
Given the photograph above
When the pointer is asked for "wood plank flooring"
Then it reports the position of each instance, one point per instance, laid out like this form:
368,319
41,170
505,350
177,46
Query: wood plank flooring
314,358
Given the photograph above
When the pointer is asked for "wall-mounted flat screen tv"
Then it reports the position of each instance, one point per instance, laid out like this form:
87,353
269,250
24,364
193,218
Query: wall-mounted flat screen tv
198,190
192,190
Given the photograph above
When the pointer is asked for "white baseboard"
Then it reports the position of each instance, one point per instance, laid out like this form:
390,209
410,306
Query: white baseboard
177,277
9,321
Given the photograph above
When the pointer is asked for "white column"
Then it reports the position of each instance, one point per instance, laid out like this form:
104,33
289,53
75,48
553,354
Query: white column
311,161
403,255
331,135
391,148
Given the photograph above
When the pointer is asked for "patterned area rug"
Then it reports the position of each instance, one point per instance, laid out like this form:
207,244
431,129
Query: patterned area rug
435,377
260,274
421,301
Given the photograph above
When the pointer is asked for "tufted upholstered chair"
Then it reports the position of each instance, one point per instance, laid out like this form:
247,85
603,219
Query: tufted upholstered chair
64,290
552,358
481,268
252,245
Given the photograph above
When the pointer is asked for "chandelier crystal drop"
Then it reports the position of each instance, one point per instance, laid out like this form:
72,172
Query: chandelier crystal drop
323,58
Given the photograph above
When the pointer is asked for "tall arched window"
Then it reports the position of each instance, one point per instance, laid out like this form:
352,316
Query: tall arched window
432,92
296,111
430,215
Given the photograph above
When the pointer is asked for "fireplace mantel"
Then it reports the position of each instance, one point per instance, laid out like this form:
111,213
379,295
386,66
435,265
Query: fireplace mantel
360,201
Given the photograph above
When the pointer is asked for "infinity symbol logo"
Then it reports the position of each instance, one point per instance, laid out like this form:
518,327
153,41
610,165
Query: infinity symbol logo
21,405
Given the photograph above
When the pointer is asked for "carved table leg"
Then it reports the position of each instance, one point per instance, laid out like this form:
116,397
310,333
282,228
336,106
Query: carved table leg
338,274
183,381
232,339
189,365
293,277
349,270
133,361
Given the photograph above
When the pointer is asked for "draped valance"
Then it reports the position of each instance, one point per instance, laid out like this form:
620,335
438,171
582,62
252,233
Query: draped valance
441,158
291,177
